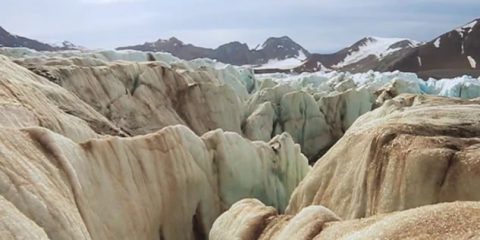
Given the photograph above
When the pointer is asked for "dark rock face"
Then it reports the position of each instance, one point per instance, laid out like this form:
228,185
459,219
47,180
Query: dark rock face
233,53
172,45
454,53
10,40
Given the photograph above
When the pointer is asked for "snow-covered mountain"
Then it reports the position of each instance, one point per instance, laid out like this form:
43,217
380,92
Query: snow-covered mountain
291,55
274,49
376,47
370,53
454,53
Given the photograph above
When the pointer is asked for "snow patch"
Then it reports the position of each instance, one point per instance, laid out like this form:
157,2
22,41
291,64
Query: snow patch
419,61
285,64
437,43
288,63
466,29
301,55
472,61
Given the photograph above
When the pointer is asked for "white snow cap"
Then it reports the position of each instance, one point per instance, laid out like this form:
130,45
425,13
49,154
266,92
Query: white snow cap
466,29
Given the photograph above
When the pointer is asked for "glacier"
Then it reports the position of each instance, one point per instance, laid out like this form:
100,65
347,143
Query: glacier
126,127
316,109
465,87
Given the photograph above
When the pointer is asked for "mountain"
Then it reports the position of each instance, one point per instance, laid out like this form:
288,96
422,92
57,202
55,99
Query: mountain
370,53
174,46
454,53
10,40
451,54
273,49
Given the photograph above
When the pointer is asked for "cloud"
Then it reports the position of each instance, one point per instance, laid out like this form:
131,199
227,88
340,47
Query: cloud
109,1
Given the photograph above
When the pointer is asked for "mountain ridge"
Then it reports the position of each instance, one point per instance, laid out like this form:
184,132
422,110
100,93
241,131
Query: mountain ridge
235,52
8,39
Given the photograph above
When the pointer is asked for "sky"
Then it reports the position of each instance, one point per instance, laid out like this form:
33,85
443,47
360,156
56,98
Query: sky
321,26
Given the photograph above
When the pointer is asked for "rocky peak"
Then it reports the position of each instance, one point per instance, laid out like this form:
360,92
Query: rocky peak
282,48
237,46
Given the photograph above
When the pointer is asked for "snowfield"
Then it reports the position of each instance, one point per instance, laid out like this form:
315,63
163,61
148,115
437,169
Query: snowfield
288,63
285,64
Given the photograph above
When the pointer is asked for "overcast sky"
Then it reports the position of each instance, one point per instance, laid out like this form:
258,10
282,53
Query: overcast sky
318,25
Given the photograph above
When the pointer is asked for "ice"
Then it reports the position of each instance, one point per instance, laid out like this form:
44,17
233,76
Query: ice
463,87
244,82
328,82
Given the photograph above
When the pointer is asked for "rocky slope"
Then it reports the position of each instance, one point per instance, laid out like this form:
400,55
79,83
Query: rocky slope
448,55
236,53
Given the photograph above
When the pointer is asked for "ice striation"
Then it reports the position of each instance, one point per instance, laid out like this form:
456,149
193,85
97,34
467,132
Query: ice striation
65,176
